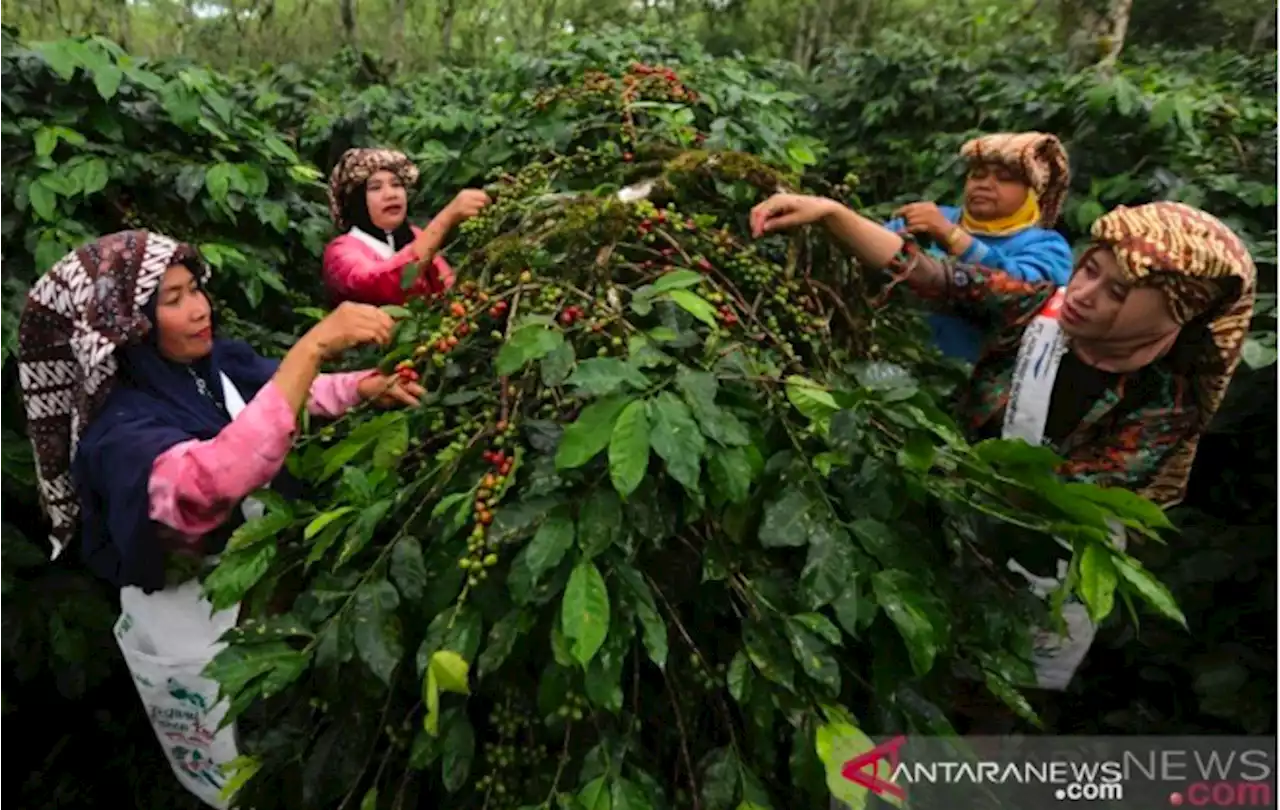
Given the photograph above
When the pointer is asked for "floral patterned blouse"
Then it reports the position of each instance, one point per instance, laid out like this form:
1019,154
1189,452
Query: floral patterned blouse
1136,430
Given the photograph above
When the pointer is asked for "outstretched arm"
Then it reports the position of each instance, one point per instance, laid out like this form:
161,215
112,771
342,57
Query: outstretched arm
872,244
195,484
995,297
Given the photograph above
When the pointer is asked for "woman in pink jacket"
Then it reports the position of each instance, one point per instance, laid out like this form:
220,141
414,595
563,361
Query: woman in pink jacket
369,204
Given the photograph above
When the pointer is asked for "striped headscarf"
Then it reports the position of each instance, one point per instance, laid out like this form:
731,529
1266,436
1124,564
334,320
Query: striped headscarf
1038,157
1207,276
78,315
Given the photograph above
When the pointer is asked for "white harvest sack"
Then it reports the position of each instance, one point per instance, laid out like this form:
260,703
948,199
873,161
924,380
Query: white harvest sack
1056,657
167,639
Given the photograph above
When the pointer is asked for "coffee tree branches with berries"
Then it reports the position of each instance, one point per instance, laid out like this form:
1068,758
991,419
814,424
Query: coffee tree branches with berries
676,501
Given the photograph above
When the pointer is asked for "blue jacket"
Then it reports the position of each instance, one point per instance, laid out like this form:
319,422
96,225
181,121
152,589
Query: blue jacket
1036,254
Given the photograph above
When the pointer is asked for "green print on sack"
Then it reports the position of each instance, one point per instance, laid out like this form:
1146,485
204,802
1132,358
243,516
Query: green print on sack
182,693
196,764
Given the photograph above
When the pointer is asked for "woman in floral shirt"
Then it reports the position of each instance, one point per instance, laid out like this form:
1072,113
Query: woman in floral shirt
1119,372
1013,194
1146,335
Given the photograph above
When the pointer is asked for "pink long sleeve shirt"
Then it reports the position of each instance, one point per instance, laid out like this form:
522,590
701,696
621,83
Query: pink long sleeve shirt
358,267
195,485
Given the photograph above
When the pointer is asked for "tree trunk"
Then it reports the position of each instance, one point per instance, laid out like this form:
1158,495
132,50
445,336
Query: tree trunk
348,10
802,31
398,23
446,28
1095,30
823,31
122,15
548,19
860,22
1264,32
1118,23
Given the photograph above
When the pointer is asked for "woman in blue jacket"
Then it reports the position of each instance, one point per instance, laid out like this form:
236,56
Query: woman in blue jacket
1013,196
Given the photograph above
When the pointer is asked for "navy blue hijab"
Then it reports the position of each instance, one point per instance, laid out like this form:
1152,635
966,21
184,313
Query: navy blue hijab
154,405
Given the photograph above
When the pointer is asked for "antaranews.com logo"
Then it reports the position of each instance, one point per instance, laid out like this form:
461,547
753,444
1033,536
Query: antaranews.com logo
1031,772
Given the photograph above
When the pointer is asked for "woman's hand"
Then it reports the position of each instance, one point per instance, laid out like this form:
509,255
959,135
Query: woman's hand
390,390
466,205
350,325
926,218
784,211
871,243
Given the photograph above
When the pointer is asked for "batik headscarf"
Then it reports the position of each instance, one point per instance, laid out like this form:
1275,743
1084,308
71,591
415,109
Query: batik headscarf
1209,279
1037,157
102,403
354,168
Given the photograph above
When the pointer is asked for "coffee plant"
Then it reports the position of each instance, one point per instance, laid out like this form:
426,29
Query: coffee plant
797,475
675,502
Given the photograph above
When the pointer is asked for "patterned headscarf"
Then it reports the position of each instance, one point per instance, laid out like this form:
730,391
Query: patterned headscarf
354,169
77,316
1205,272
1037,156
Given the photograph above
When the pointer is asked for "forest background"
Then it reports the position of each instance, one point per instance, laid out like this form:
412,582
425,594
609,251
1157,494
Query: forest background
218,122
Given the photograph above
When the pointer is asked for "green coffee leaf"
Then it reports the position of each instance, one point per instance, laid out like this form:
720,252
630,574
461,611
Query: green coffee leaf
446,672
584,614
720,780
323,520
377,628
676,438
459,750
695,305
916,614
810,398
1149,588
408,570
502,639
590,433
236,573
599,522
595,796
525,345
601,376
629,448
553,538
1098,580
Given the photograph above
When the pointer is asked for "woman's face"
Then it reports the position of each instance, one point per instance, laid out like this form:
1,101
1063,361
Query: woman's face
993,191
183,317
385,196
1101,304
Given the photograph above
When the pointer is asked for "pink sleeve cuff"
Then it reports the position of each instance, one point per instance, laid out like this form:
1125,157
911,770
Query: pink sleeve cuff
195,485
332,395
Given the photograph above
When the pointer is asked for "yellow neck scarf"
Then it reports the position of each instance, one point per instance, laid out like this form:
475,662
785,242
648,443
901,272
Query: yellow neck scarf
1025,217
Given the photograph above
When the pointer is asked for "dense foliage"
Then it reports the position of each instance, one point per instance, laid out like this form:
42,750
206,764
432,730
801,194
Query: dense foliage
660,468
430,33
707,573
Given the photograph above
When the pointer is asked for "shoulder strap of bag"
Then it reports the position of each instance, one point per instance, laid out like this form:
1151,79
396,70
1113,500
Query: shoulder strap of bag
1034,372
251,507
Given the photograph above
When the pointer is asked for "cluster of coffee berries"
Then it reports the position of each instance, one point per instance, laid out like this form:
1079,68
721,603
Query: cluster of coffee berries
662,82
573,708
709,678
481,550
406,371
571,315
